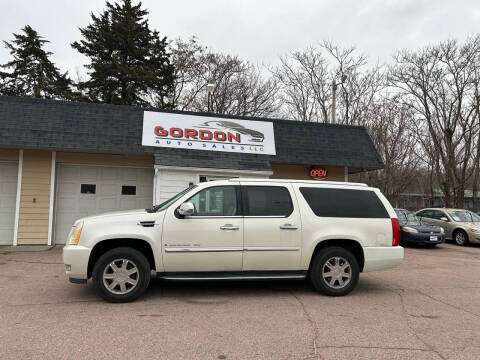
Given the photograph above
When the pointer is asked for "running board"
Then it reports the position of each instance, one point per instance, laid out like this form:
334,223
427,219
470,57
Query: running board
232,275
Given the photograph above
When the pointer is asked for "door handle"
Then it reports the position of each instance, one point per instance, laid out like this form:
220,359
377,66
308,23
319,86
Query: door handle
288,227
229,227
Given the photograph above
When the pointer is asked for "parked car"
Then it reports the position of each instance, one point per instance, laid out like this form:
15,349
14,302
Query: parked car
460,225
240,229
416,231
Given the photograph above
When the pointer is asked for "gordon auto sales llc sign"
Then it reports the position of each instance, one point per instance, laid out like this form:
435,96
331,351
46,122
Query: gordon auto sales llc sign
207,133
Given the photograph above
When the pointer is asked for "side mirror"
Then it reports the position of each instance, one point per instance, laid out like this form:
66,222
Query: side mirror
186,209
444,219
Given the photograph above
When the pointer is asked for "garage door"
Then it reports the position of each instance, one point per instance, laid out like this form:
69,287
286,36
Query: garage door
89,190
8,196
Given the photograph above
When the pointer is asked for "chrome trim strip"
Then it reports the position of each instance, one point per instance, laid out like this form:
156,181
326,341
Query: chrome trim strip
260,248
235,277
267,216
212,217
179,249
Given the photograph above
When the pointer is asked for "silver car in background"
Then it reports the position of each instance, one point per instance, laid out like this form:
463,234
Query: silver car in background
460,225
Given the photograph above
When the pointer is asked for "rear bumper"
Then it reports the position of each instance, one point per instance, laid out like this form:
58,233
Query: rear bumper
75,258
381,258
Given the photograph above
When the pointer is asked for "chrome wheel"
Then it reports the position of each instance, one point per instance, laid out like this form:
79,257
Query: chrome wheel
337,272
120,276
460,238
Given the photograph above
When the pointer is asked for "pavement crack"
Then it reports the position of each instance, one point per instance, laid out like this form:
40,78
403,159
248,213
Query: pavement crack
34,262
52,303
412,329
448,304
374,347
311,321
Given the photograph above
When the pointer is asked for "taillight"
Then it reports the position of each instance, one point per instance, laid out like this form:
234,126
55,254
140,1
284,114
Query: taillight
396,232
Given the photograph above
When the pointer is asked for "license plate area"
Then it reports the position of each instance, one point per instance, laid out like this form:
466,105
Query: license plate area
433,238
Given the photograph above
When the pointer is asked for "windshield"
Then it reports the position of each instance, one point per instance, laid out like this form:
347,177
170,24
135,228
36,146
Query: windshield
464,216
407,216
170,201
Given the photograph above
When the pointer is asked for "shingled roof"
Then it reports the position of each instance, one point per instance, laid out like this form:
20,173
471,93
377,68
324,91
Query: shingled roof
100,128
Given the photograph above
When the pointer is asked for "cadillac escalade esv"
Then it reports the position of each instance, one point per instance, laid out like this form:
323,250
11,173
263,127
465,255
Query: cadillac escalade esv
328,232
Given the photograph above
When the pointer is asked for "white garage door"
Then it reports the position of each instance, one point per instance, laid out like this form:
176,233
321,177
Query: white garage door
84,190
8,196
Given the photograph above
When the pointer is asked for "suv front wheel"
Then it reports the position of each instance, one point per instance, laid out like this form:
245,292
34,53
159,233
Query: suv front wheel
121,274
334,271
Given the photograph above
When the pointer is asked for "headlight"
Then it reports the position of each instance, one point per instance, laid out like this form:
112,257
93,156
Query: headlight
75,233
442,231
409,229
475,230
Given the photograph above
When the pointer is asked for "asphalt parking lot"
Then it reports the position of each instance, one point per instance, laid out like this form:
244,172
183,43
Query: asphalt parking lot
425,309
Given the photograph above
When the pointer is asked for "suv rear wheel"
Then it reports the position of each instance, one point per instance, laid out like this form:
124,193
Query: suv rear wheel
121,274
334,271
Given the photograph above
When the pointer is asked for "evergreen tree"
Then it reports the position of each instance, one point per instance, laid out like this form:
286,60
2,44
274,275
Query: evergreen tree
32,72
129,62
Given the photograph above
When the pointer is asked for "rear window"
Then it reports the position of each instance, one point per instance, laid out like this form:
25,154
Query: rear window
344,203
267,201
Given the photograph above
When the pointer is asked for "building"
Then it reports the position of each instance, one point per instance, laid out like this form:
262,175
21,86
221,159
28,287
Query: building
60,161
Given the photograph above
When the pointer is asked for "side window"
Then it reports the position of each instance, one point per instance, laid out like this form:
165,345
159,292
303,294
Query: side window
438,214
425,214
344,203
267,201
215,201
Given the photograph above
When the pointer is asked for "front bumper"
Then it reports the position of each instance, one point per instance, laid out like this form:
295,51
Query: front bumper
75,258
381,258
422,238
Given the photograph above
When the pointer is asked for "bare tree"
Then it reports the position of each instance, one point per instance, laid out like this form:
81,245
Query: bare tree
389,127
240,87
438,85
307,79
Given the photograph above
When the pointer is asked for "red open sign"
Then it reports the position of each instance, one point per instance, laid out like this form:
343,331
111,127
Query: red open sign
318,173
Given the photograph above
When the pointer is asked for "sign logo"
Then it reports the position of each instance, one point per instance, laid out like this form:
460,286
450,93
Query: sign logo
318,173
207,133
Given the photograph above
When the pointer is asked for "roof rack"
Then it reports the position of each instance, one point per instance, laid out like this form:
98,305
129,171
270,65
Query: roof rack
316,182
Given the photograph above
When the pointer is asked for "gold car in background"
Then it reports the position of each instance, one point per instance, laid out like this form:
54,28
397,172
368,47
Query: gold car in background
460,225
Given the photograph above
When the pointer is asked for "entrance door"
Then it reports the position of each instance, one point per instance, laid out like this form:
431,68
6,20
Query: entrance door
272,234
85,190
8,196
209,240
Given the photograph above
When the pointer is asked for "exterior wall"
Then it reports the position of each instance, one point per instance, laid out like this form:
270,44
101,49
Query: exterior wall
301,172
8,154
34,208
105,159
170,181
34,219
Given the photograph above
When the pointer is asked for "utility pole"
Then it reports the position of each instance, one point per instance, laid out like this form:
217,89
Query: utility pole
210,89
334,97
334,102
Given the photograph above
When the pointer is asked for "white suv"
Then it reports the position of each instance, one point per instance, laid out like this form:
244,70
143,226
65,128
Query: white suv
240,229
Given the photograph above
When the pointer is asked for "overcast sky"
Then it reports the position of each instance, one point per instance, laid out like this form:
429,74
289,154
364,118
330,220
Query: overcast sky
259,30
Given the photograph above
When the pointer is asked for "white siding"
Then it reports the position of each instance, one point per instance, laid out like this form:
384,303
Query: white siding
171,181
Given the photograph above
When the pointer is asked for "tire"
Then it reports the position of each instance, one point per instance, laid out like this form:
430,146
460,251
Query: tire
134,274
327,259
460,237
